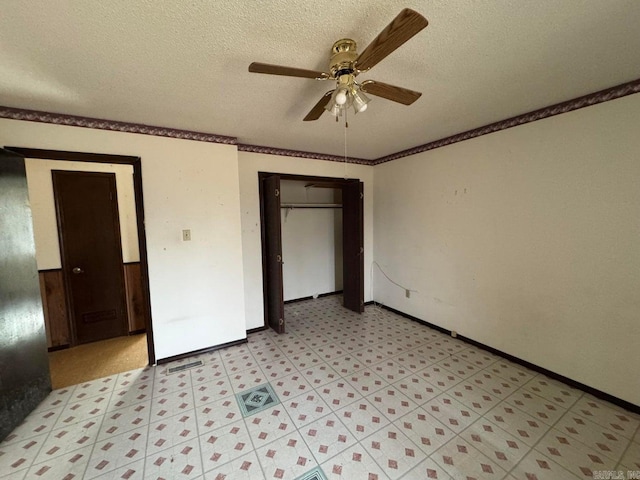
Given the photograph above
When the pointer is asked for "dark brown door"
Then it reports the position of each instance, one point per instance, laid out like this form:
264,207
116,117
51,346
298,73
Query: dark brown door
353,245
91,250
273,252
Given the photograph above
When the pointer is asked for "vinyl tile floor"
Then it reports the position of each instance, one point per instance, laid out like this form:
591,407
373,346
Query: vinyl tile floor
340,396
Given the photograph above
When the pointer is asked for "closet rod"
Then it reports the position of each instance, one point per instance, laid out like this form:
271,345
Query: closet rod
311,205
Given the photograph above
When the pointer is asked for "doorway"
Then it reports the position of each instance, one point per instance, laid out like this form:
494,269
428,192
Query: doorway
271,231
139,271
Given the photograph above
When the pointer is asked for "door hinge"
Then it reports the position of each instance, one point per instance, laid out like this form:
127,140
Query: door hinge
279,258
277,192
281,322
361,195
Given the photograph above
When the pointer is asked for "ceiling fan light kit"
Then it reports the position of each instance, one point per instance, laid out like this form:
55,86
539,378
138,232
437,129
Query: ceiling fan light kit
346,64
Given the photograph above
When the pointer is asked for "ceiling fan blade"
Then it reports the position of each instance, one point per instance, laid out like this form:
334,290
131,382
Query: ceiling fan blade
402,28
256,67
318,108
390,92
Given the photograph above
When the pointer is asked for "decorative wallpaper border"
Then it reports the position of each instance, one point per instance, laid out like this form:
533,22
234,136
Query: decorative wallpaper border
564,107
98,124
86,122
301,154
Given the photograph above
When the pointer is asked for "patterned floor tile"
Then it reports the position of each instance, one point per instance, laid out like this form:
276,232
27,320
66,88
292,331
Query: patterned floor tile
331,351
208,392
338,394
596,437
165,384
391,402
365,381
573,455
417,389
391,371
177,429
461,368
393,451
369,356
439,377
428,469
247,379
287,458
257,399
319,375
497,386
327,437
306,409
69,438
291,386
450,412
181,461
535,466
233,351
56,399
101,386
116,452
132,471
520,424
68,466
542,409
171,404
557,392
424,430
123,398
81,410
353,464
217,414
607,415
278,368
268,354
224,445
246,467
473,397
125,419
239,363
461,460
495,443
305,360
448,344
390,348
631,458
21,455
480,358
210,371
347,365
36,424
139,376
515,374
362,418
411,360
268,425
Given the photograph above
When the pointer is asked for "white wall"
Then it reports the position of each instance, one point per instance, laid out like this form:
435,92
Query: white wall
43,208
311,241
249,166
526,240
197,296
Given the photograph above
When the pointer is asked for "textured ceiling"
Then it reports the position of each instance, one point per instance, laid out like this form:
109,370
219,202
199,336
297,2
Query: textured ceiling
183,64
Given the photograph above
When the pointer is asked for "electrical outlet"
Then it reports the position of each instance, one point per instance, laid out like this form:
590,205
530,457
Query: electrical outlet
407,293
186,235
454,334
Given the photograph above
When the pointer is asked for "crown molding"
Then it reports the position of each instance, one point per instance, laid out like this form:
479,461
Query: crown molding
601,96
542,113
112,125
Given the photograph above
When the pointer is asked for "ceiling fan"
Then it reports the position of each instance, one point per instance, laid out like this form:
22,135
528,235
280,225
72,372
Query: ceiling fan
346,64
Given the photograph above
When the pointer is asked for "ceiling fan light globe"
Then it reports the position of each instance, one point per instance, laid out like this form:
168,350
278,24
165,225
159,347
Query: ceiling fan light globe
360,101
341,97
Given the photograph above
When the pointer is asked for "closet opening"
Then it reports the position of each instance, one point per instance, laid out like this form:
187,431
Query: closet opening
312,241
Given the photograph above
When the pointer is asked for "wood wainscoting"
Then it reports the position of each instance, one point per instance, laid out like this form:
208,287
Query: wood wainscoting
56,315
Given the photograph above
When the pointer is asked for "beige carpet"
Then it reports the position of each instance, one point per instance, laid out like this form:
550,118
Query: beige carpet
98,359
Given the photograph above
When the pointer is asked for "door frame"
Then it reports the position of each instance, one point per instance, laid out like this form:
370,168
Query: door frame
337,181
136,163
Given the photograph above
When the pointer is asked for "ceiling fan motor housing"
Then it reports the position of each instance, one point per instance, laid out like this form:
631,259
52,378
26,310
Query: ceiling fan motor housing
343,55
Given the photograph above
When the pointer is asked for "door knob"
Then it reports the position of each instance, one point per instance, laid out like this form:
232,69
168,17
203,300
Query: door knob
77,270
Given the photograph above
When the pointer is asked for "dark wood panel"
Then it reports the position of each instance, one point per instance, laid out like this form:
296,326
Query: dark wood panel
55,308
353,246
24,365
136,306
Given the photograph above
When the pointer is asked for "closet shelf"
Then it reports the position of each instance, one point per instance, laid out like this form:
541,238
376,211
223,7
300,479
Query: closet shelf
311,205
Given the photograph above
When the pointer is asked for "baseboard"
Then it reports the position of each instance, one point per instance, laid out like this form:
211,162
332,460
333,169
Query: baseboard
200,352
138,332
556,376
58,348
257,329
328,294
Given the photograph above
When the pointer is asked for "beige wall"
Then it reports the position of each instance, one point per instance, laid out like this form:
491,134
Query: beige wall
526,240
45,227
249,166
197,295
